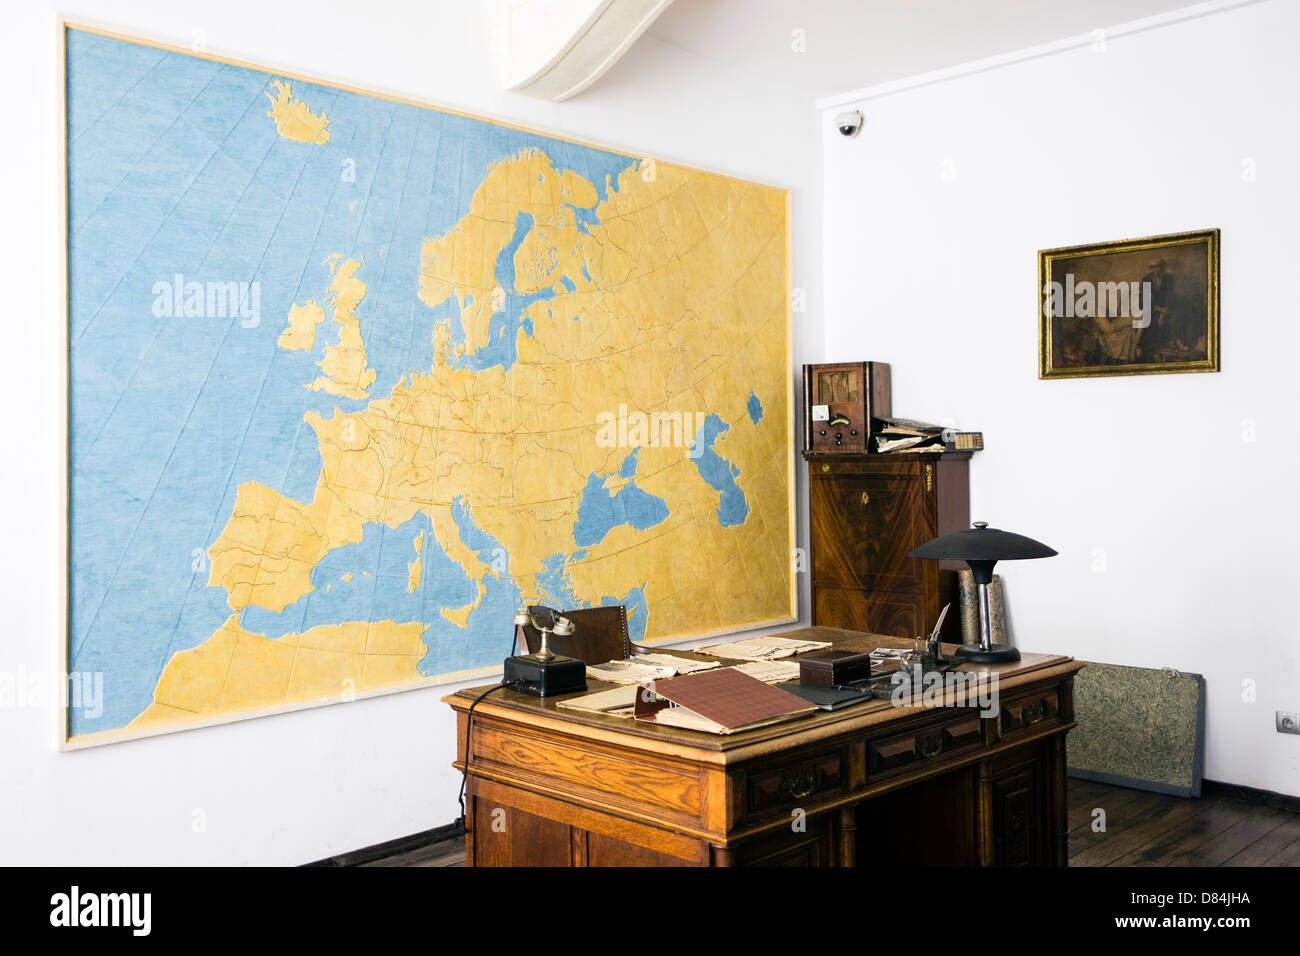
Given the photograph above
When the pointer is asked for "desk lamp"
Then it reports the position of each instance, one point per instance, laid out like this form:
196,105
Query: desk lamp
981,547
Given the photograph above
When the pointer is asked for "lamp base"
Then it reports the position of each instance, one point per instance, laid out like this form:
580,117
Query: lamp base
996,654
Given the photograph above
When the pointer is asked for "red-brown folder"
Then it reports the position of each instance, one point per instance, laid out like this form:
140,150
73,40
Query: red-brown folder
721,701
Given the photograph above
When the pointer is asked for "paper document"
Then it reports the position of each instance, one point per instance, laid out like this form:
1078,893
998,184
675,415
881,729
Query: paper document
646,667
682,665
770,672
629,672
762,648
616,703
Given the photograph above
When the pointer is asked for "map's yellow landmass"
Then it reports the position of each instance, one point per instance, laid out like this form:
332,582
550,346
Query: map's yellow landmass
294,120
683,309
270,545
300,334
347,373
415,569
460,615
236,670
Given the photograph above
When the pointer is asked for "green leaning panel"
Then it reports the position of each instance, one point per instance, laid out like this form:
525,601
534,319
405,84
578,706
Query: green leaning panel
1139,727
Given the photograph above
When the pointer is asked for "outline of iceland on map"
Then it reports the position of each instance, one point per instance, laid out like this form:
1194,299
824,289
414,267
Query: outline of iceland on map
469,336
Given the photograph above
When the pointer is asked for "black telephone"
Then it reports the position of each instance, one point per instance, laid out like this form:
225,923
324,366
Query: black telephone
545,673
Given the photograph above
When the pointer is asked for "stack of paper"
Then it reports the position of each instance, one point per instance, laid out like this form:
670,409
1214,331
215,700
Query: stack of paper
682,665
645,668
762,648
770,672
629,672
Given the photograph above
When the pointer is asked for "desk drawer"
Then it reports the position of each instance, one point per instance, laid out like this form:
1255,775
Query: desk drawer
930,742
791,785
1023,715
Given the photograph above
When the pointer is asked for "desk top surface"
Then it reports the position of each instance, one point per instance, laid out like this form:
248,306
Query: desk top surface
543,712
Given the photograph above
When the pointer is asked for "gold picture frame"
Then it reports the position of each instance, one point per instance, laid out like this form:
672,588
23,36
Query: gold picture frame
1133,307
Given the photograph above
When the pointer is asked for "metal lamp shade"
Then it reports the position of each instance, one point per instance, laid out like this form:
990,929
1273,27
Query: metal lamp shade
982,547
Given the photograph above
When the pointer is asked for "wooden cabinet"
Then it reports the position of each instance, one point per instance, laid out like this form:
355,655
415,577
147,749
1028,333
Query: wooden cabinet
866,512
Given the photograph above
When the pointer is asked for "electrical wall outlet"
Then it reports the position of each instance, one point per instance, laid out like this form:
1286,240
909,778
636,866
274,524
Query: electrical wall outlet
1288,723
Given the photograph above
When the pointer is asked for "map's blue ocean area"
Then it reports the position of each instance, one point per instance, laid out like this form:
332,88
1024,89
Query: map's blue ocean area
382,592
555,587
600,512
755,408
175,169
718,473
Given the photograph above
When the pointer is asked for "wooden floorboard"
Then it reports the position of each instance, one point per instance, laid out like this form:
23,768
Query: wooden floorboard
1197,832
1129,827
446,853
1288,856
1153,829
1245,830
1099,796
1268,846
1142,829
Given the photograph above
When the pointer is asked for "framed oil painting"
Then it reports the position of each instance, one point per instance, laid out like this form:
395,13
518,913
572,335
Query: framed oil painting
1133,307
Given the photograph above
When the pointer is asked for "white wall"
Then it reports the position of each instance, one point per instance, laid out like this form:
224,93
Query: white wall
934,215
298,787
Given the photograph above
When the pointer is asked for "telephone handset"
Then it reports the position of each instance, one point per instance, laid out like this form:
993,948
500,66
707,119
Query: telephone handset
548,620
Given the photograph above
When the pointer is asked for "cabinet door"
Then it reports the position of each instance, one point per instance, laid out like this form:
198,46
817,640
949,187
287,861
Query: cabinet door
806,842
1020,815
863,527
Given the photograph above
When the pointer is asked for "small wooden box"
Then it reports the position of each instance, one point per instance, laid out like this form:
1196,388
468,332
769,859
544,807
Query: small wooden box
832,668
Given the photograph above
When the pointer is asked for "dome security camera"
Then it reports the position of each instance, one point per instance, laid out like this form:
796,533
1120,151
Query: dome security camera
849,123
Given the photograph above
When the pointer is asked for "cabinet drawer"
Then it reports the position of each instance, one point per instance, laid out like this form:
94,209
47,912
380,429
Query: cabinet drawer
1024,714
930,742
879,612
786,787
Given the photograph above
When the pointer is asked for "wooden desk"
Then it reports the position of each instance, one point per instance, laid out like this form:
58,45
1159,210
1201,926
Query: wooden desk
920,784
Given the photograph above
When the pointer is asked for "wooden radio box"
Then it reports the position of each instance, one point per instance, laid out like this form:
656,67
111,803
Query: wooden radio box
840,400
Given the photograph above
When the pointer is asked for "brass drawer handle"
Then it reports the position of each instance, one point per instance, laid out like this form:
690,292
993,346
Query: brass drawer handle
929,746
866,499
798,786
1032,713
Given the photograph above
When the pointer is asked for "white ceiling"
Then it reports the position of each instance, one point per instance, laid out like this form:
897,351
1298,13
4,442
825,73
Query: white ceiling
858,43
